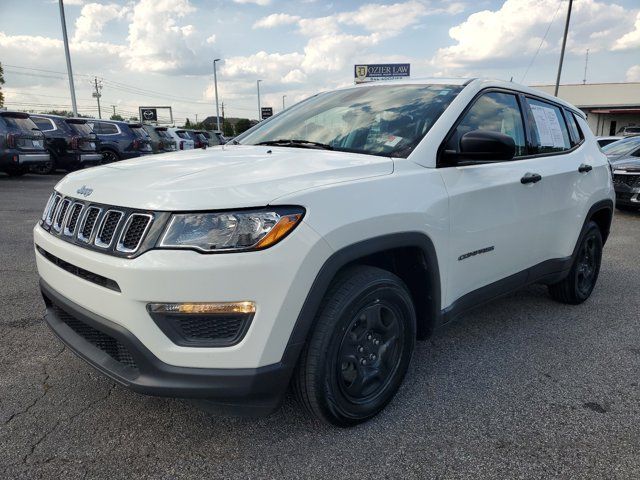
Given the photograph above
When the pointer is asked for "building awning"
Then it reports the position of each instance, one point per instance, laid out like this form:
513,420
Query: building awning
616,110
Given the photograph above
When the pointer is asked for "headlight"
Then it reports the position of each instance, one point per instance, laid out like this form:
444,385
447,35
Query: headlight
230,231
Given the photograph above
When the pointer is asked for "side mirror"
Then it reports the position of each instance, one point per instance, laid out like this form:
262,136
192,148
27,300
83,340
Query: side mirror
484,146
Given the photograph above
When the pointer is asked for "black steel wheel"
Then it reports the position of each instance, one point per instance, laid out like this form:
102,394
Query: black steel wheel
582,277
109,156
360,347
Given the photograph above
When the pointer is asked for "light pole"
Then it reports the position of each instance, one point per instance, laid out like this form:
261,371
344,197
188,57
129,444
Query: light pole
283,97
564,43
259,106
68,56
215,86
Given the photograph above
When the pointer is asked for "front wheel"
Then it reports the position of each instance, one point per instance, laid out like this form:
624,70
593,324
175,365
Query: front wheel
360,348
109,156
582,278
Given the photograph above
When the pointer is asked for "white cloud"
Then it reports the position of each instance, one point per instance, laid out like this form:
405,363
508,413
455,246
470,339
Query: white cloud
267,66
629,40
514,32
156,42
275,20
93,17
633,74
385,18
256,2
212,39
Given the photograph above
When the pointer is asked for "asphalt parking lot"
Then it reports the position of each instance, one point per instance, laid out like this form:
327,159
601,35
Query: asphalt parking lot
520,388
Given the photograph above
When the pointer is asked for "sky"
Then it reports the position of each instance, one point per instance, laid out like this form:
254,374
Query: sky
160,52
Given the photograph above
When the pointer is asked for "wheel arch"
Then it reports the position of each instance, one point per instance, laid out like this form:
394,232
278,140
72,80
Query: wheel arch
410,255
602,214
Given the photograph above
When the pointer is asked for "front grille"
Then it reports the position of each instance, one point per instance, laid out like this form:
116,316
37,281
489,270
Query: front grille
631,181
109,345
108,228
80,272
118,231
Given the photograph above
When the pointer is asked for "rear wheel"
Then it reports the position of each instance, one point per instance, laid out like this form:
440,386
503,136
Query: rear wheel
360,348
46,168
109,156
582,278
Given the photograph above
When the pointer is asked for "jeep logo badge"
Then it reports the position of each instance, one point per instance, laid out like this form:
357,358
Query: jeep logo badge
84,191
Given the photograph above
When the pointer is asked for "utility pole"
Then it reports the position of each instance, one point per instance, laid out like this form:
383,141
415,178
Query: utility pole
283,97
586,63
196,118
68,57
215,86
114,110
259,106
97,94
564,44
222,112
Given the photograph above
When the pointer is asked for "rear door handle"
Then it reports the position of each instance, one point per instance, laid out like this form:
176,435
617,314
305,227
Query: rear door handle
530,178
584,168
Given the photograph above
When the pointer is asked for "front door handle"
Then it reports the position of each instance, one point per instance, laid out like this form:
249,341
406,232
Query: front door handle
584,168
530,178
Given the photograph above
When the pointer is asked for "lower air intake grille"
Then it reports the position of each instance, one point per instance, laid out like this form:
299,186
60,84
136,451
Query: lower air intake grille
631,181
104,342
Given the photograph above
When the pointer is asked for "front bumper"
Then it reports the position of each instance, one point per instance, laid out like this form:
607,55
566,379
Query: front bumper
117,353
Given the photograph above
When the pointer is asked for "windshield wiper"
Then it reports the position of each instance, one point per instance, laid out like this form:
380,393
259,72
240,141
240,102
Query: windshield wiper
286,142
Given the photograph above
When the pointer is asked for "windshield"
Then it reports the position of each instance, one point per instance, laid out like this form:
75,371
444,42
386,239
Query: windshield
622,147
81,128
387,120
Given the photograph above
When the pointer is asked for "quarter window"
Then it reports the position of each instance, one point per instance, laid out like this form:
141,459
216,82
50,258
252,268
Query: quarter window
105,128
43,124
548,127
494,112
574,129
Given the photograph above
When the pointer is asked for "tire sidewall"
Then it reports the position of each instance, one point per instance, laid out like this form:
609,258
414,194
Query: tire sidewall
592,231
333,401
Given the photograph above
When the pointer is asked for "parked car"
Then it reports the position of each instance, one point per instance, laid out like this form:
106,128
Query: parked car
215,137
626,175
21,144
627,147
70,142
161,140
629,130
604,141
121,140
321,246
182,138
198,137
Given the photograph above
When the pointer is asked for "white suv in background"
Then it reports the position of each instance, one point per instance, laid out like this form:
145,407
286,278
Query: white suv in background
181,137
318,246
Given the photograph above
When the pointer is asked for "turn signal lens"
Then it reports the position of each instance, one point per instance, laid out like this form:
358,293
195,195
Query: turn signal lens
217,308
284,226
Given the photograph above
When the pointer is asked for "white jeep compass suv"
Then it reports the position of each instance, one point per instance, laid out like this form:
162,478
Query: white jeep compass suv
315,249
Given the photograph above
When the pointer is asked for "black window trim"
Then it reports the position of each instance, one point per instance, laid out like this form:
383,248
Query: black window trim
521,97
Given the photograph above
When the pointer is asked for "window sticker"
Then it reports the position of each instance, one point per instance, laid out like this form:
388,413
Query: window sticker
392,141
549,130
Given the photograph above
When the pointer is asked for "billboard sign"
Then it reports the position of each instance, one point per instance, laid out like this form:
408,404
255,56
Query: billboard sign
156,114
148,114
381,71
266,112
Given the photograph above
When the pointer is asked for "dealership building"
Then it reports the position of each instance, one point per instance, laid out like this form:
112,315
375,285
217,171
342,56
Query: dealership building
608,106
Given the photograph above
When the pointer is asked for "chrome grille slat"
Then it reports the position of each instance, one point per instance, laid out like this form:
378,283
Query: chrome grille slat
61,214
52,209
72,219
88,224
134,232
108,227
47,207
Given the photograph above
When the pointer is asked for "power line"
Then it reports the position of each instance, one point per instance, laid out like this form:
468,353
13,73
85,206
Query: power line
541,42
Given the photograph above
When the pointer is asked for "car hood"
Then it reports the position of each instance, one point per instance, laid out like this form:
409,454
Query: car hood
221,177
630,164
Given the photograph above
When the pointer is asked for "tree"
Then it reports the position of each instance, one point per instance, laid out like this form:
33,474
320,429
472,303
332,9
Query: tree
1,83
116,116
242,125
64,113
227,129
133,119
187,124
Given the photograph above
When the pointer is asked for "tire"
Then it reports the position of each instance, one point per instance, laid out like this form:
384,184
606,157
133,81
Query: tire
46,168
109,156
582,278
353,338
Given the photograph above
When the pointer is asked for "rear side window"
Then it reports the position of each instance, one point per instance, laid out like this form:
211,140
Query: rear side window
548,127
105,128
44,124
574,128
80,128
494,112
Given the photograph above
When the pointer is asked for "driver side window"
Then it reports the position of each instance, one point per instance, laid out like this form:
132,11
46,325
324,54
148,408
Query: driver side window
494,112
